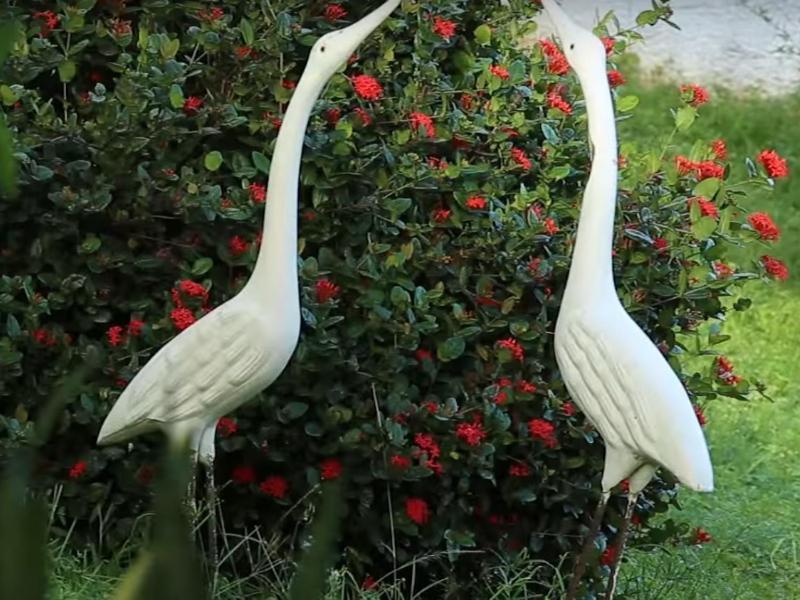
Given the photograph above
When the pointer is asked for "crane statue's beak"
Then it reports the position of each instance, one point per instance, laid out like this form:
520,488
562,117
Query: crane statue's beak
561,21
351,37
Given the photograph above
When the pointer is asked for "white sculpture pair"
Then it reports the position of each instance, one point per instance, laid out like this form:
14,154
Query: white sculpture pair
612,370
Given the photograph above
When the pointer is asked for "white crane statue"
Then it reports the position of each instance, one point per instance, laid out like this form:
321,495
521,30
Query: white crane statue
612,370
240,348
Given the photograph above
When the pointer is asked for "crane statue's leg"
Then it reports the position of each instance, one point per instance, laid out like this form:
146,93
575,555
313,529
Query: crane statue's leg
580,563
623,538
207,455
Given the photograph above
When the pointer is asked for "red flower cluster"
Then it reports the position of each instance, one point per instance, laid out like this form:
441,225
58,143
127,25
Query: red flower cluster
444,28
115,335
609,556
660,244
420,120
400,462
513,346
725,371
568,409
518,156
182,318
326,290
707,207
720,149
192,105
135,327
440,215
364,116
701,416
258,193
519,470
215,14
78,470
701,536
422,355
428,445
367,87
243,475
330,468
334,12
722,270
556,100
417,510
466,102
333,116
120,27
556,61
550,226
773,163
238,245
476,203
243,52
702,170
226,427
765,226
274,486
499,71
775,267
49,19
695,94
543,430
472,434
608,44
526,387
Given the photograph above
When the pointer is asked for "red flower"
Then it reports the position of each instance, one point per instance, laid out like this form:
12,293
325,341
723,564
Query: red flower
366,118
243,52
422,355
192,105
367,87
476,203
472,434
500,398
608,44
568,409
707,208
400,462
182,318
115,335
701,416
243,474
427,444
513,346
120,27
215,14
417,510
722,270
78,470
684,165
519,470
335,12
694,94
660,244
616,79
526,387
333,115
775,267
466,102
544,431
369,583
288,84
145,474
557,63
550,226
135,327
765,226
701,536
192,288
330,468
518,156
555,100
226,427
725,371
274,486
421,120
326,290
499,71
49,19
444,28
609,556
238,245
258,193
720,149
773,163
440,215
708,169
43,337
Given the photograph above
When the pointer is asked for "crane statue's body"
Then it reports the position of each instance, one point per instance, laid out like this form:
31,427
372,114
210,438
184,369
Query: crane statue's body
240,348
613,371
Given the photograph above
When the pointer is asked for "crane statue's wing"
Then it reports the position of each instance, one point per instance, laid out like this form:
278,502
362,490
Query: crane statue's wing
218,363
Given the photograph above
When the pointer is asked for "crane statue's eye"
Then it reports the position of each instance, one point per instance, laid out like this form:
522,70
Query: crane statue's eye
322,49
572,46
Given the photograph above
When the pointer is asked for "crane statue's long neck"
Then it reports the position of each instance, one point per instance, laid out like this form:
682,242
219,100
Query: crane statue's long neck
275,275
592,268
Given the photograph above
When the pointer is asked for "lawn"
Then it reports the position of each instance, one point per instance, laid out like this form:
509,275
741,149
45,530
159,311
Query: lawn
752,515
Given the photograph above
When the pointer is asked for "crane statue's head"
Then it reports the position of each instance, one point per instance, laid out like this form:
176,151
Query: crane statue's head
333,49
583,49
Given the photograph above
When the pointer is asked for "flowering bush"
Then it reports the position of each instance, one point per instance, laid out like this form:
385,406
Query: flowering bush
440,189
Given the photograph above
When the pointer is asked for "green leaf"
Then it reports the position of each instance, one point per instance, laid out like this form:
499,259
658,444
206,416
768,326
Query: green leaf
261,162
685,117
294,410
707,188
483,34
67,70
91,244
176,98
202,266
647,17
451,349
558,173
703,228
463,61
12,327
248,35
213,160
169,48
397,206
627,103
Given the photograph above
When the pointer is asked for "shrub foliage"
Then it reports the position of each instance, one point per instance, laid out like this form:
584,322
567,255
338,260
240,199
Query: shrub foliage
440,188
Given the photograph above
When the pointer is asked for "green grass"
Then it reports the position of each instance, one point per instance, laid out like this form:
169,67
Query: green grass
753,514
